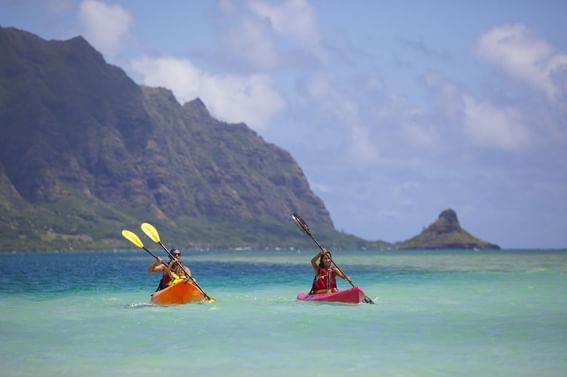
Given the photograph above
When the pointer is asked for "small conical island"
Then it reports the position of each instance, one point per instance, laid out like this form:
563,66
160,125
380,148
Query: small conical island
446,233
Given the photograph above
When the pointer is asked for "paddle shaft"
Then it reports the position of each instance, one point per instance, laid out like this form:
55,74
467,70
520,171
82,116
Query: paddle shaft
153,255
180,265
149,252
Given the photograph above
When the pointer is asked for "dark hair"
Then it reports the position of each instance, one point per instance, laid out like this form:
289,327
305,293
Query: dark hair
321,257
174,251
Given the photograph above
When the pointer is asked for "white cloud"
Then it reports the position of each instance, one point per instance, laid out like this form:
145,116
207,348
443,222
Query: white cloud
250,99
269,36
292,18
485,123
264,35
252,42
104,26
523,55
345,112
490,125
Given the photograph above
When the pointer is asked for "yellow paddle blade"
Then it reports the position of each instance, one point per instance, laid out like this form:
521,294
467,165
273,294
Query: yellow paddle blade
132,237
211,299
150,231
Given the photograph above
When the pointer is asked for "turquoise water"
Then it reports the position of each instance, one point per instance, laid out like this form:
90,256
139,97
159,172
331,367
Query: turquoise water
454,313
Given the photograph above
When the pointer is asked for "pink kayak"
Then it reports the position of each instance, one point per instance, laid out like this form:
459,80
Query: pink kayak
354,295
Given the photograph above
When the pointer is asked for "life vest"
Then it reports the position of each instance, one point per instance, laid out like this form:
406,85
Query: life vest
164,282
168,281
325,279
175,279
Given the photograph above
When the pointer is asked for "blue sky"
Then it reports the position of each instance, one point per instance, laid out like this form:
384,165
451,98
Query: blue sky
395,110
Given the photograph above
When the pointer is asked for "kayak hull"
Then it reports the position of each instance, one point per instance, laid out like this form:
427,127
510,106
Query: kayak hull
184,292
354,295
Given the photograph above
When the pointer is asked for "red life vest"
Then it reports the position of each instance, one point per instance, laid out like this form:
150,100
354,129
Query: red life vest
325,279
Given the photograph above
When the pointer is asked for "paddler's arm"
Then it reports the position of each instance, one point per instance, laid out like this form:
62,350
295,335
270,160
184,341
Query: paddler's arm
341,275
157,266
160,266
314,263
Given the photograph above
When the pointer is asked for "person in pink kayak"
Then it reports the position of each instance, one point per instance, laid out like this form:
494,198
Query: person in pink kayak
325,274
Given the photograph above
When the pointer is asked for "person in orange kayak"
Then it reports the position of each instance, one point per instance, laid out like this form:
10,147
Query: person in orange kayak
325,280
173,272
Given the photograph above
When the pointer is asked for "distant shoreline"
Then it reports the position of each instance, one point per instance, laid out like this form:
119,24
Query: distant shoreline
293,248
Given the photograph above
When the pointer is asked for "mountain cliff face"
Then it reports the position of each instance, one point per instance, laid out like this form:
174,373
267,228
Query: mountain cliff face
219,170
446,233
85,151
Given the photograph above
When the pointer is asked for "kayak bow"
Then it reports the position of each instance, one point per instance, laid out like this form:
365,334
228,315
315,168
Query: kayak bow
181,293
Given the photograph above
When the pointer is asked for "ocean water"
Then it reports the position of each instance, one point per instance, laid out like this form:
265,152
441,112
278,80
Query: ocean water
437,313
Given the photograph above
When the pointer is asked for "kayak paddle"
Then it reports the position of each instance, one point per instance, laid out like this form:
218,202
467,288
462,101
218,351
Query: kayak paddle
132,237
301,224
153,234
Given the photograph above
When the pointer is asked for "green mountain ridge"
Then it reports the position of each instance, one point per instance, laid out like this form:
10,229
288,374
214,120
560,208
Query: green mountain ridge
86,152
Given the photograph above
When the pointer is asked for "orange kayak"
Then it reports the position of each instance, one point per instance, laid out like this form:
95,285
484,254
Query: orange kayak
181,293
